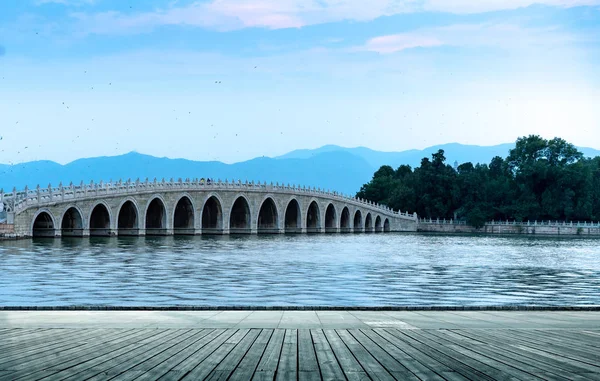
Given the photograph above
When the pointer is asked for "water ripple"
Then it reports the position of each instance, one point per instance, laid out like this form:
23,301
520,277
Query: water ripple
341,270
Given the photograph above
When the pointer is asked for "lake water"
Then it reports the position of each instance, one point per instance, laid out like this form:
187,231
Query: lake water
303,270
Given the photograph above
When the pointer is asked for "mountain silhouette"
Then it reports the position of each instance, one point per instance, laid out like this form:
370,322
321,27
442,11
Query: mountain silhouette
330,167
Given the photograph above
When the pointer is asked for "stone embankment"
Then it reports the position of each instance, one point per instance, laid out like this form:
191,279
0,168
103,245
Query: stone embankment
556,228
7,231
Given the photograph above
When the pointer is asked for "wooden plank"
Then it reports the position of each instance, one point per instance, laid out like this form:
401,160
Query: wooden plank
503,345
221,369
48,344
75,356
37,360
163,368
418,369
371,366
578,338
288,361
246,368
482,364
192,361
350,366
270,359
117,366
508,368
422,358
308,368
148,360
214,359
18,334
50,338
550,351
562,344
330,368
547,371
448,361
99,358
395,368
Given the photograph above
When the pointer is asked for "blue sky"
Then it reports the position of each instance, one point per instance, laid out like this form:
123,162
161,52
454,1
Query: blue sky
234,79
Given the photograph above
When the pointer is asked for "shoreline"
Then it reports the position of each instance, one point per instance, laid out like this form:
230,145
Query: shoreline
474,232
301,308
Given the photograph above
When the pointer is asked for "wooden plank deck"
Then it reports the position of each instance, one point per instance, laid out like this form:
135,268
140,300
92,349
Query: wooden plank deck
378,353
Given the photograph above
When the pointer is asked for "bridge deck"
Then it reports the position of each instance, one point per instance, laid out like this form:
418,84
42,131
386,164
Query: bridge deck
244,345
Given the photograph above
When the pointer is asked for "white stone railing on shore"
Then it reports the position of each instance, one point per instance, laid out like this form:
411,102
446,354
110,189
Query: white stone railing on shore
17,201
583,224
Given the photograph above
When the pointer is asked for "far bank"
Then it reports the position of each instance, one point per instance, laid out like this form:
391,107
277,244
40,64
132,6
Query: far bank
551,228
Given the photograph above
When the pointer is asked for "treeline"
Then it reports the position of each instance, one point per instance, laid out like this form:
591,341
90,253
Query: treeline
539,180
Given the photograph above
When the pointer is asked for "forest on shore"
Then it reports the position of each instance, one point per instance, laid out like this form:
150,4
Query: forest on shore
540,179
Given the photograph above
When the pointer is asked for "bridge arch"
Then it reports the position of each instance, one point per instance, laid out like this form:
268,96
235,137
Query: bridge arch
268,217
156,216
43,224
368,223
313,218
378,225
386,225
212,215
345,220
293,217
358,222
99,220
72,222
183,216
330,219
128,217
240,219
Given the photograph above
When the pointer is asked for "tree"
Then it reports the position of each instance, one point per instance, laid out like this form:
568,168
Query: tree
539,179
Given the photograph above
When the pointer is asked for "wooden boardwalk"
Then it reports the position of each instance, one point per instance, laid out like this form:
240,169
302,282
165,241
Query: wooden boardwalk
384,353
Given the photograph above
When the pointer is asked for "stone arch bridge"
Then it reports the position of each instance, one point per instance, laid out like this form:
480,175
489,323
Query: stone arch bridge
190,207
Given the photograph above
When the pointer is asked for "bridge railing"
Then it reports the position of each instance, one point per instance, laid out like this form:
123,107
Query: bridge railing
17,201
582,224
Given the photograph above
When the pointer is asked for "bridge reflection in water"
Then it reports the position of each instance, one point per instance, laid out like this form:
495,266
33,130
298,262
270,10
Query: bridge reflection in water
193,207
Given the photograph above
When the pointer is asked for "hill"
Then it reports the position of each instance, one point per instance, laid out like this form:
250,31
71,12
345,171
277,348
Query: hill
332,167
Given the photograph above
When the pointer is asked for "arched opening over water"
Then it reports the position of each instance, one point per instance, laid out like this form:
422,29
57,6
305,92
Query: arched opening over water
43,226
128,221
183,220
72,223
268,220
100,221
358,221
293,220
313,218
330,219
239,221
345,221
386,225
378,226
156,218
212,217
368,223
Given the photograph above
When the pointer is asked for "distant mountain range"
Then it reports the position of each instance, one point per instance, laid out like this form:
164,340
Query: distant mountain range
330,167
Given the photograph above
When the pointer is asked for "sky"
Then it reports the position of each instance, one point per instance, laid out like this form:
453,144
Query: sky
231,80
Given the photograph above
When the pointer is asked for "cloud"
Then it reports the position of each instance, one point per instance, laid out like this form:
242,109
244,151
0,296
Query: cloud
504,36
76,3
398,42
280,14
470,6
